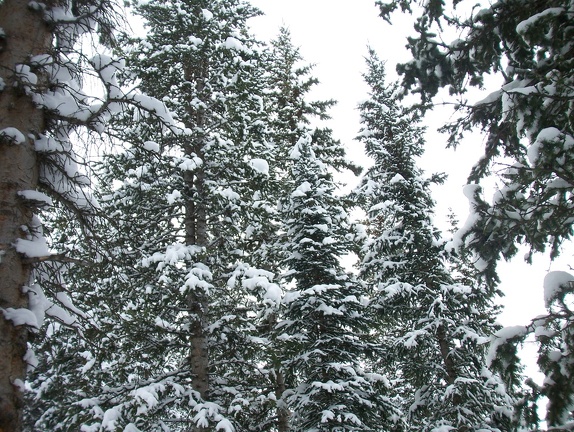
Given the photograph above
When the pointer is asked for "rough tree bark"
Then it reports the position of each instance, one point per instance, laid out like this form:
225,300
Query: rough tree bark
282,410
25,34
196,234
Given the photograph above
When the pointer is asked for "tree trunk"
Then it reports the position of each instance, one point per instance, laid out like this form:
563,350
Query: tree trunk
26,34
282,410
450,368
196,234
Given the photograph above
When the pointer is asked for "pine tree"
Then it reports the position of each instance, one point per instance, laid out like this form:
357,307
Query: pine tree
433,324
527,120
215,92
290,82
324,328
131,346
290,116
176,284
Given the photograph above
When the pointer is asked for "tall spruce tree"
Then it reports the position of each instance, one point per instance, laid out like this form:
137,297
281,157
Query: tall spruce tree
211,80
433,327
528,120
291,114
178,285
290,82
324,328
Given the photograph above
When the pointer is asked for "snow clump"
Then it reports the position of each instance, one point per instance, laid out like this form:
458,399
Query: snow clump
13,135
556,285
259,165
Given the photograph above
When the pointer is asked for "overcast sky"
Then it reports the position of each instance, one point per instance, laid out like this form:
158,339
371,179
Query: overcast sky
334,36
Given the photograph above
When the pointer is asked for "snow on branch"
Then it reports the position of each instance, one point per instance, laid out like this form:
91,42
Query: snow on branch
556,285
13,135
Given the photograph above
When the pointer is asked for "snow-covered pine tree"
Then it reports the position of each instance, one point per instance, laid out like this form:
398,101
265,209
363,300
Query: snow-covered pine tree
121,367
528,120
44,106
433,327
324,329
186,209
290,115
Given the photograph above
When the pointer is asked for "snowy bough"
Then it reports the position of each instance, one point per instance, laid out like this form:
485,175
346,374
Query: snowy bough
553,332
433,319
44,108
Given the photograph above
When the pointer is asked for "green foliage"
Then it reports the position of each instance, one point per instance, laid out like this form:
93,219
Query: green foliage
326,327
529,131
433,324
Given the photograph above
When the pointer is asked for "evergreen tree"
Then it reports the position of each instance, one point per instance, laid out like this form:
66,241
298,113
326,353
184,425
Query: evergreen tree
290,82
553,334
176,284
290,115
324,328
433,324
528,120
210,79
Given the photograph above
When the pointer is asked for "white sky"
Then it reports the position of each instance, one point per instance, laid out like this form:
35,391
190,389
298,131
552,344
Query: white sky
334,35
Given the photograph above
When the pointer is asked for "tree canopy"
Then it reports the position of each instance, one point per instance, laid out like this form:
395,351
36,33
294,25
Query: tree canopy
191,271
527,124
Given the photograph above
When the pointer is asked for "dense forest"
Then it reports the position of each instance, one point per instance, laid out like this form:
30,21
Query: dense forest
174,232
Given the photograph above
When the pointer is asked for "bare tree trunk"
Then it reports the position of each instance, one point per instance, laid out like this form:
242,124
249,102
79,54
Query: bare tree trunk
26,34
198,304
196,234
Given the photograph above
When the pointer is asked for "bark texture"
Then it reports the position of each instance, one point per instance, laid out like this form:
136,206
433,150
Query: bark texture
26,34
282,410
196,234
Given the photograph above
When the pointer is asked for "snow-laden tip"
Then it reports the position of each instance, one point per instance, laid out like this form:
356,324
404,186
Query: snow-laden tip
302,190
232,43
259,165
207,15
470,190
20,316
35,196
501,337
556,284
151,146
35,248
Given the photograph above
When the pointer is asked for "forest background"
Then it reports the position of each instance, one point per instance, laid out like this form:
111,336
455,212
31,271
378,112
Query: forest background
439,380
335,37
